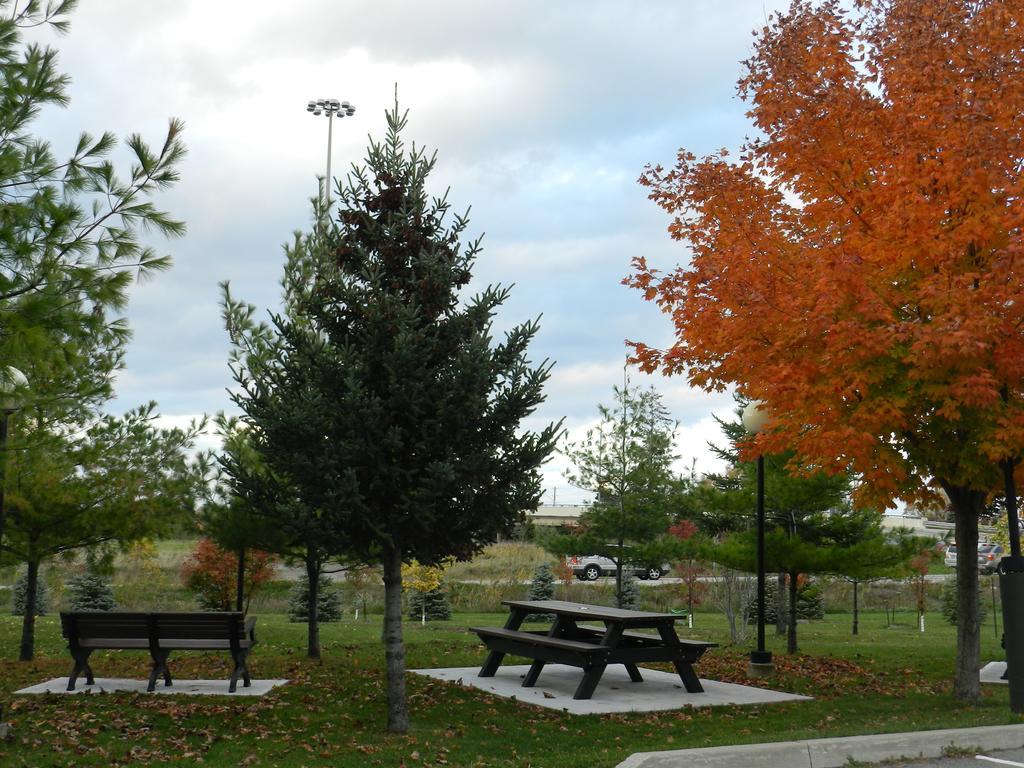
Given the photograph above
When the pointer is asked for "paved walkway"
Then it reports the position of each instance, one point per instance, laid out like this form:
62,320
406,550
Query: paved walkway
838,752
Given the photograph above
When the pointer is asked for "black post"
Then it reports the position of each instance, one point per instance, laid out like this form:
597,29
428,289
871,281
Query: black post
240,581
1011,587
760,660
3,474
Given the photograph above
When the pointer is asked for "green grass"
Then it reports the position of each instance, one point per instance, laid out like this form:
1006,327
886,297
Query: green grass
885,680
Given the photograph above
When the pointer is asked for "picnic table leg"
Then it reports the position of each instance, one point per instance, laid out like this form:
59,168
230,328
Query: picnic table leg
531,677
634,673
690,680
493,661
683,667
591,677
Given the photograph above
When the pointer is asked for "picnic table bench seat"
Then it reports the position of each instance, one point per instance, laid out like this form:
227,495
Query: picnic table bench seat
160,633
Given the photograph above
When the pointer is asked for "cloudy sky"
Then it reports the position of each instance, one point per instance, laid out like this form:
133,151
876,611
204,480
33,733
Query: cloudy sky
543,115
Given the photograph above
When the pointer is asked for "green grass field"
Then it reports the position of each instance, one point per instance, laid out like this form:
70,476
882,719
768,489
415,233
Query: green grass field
333,713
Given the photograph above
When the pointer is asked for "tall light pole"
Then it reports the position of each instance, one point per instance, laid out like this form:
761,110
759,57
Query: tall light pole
11,383
754,418
331,108
1011,591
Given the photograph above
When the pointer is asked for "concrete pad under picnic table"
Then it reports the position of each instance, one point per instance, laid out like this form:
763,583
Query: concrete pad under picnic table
181,687
615,692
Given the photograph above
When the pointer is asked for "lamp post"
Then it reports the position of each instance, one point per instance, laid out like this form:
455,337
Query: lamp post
1011,591
332,108
11,382
754,418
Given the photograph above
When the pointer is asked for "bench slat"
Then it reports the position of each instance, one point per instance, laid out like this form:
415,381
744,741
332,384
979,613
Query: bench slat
537,639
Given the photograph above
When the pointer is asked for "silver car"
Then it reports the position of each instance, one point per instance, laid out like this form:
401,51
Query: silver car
592,567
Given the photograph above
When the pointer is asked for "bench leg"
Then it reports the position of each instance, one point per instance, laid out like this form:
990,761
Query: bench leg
159,667
591,677
634,673
690,680
240,668
531,677
81,664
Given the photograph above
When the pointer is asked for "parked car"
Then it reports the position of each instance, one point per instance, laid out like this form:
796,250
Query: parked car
989,556
592,567
950,557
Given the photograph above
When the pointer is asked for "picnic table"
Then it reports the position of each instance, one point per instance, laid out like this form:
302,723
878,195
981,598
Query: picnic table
589,647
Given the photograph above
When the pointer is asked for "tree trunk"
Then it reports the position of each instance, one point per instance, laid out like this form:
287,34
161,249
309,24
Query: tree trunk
28,619
856,614
791,636
967,505
780,605
394,646
313,609
240,581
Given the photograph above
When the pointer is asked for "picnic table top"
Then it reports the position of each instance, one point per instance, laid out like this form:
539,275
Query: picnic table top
595,612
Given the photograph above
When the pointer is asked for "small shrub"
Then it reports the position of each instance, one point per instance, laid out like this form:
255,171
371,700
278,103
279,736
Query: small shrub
542,588
90,592
328,601
42,596
211,573
949,607
432,605
630,592
810,602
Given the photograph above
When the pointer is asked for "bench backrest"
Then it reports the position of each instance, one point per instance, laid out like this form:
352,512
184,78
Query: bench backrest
200,626
176,626
105,624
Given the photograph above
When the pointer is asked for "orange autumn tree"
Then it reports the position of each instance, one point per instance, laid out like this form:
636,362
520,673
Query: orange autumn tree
855,266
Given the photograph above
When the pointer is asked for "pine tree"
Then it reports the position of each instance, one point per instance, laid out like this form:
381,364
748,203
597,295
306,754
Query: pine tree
90,592
328,601
626,463
41,597
630,599
379,399
542,587
432,605
951,603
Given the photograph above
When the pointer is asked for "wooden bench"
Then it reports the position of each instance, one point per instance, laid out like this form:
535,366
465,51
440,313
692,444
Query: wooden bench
160,634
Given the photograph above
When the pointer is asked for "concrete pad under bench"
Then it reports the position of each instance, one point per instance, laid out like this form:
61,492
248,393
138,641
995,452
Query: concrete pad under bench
615,692
993,673
180,687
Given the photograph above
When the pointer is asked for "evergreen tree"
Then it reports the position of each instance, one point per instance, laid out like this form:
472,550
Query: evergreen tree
950,602
810,525
69,245
626,462
328,601
542,587
810,602
630,593
90,592
378,397
41,597
432,605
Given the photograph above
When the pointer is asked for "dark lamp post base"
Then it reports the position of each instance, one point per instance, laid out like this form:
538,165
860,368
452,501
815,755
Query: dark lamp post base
760,664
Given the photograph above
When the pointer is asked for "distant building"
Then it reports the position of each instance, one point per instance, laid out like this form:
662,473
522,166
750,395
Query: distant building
552,515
